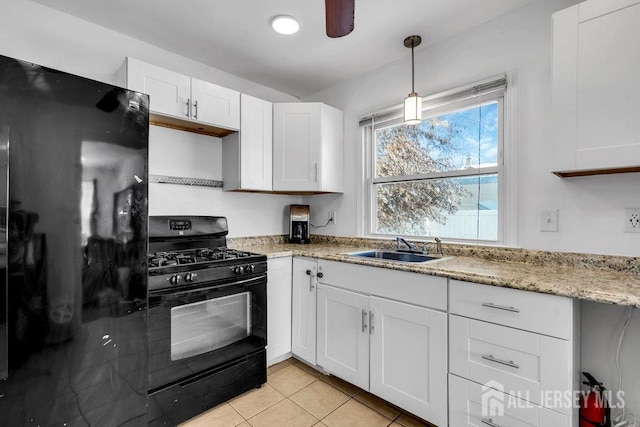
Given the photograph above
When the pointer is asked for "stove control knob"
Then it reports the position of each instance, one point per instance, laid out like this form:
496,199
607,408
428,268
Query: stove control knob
250,268
190,277
175,279
238,270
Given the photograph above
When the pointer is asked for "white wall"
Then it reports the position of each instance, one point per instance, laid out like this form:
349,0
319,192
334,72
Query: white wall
591,210
183,154
32,32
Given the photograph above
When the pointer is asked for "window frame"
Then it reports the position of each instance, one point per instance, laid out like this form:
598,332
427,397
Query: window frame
434,106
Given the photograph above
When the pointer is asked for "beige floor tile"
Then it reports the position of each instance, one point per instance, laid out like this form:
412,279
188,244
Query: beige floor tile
341,385
290,379
285,413
377,404
320,424
256,400
407,420
319,399
278,366
309,369
244,424
221,416
355,414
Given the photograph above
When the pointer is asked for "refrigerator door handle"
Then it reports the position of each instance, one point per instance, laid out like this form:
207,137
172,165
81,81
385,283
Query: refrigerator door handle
4,249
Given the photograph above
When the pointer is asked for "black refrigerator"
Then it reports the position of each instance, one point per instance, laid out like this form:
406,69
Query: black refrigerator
73,250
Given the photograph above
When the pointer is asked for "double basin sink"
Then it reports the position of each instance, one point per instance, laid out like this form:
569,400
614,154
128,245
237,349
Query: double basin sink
395,256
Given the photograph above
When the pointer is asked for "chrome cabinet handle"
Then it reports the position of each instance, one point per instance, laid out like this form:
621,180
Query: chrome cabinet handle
510,363
371,322
500,307
188,107
489,422
364,320
311,285
195,110
316,166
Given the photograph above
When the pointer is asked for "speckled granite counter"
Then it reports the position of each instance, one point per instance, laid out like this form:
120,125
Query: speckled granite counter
607,279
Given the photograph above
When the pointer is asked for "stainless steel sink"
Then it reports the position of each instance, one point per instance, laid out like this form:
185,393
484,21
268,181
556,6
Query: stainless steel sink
395,256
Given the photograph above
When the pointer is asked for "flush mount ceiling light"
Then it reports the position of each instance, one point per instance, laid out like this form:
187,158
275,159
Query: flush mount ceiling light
285,24
413,102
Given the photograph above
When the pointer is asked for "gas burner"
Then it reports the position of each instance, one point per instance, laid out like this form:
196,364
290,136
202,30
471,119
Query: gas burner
160,259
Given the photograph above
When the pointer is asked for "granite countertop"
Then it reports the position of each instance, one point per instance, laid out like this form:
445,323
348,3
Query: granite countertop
613,280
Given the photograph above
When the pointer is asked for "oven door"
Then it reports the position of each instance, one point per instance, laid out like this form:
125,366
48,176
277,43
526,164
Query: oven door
193,330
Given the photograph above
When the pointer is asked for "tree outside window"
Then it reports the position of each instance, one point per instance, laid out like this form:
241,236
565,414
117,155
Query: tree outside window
439,178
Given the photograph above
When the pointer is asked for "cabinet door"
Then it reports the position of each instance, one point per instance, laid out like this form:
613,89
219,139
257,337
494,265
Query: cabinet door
256,143
297,136
409,358
343,334
168,91
596,85
278,309
475,405
215,104
303,322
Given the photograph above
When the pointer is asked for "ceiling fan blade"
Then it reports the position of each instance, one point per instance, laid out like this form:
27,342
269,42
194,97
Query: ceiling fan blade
339,16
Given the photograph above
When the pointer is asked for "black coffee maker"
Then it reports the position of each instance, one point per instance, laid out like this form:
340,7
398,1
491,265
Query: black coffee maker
299,224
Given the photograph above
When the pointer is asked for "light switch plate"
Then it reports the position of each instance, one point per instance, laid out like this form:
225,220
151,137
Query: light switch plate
549,220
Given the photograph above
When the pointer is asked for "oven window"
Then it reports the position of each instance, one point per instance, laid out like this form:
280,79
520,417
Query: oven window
208,325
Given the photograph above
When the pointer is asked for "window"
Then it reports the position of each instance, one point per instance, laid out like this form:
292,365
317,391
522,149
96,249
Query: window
443,177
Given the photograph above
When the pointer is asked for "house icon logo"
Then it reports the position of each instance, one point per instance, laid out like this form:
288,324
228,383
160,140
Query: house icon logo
492,399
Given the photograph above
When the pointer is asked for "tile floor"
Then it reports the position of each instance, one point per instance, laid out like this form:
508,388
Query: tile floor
297,395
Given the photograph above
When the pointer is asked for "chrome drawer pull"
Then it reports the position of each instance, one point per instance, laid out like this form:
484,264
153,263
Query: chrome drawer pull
371,322
500,307
489,422
509,363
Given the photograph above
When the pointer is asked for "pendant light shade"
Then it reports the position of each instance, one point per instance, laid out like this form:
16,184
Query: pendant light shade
413,102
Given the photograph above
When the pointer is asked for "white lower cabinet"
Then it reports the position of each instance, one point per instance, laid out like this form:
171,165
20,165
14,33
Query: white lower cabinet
303,313
516,349
395,350
409,358
475,405
343,334
523,362
278,309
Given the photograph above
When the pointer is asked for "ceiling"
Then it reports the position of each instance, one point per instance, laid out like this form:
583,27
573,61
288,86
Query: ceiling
234,35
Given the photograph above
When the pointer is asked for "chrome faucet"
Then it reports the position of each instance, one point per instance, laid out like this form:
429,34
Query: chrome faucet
438,246
399,241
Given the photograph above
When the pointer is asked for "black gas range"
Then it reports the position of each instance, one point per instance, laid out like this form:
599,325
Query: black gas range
207,317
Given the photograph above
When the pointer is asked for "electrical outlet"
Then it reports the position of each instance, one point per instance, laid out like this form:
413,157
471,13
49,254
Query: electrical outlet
632,222
549,220
332,217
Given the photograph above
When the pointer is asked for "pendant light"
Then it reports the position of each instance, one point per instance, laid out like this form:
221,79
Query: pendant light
413,102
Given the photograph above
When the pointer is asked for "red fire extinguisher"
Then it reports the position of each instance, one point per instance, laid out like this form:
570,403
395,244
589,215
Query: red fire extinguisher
594,408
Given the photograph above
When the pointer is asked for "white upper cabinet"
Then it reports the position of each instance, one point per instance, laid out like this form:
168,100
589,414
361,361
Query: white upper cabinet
215,104
596,87
181,101
307,147
247,155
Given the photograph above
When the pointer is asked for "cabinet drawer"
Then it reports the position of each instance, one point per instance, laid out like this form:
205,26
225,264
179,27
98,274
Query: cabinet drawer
545,314
524,363
471,404
413,288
